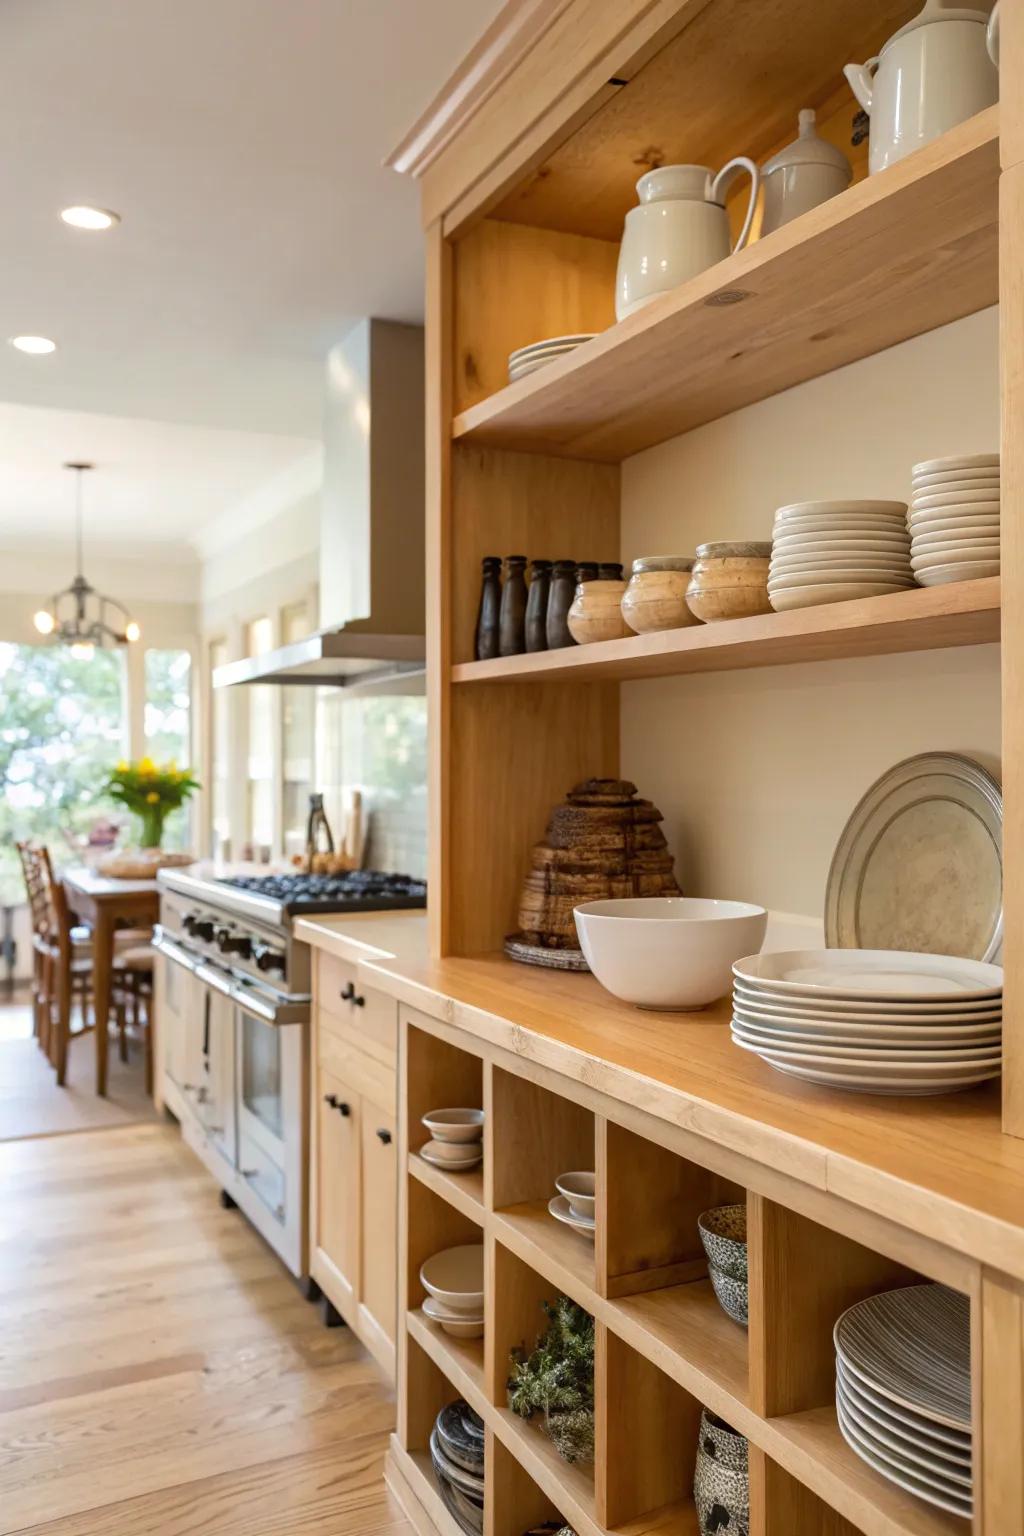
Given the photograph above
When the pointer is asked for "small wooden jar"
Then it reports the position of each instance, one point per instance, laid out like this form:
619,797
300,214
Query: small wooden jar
729,581
596,612
656,595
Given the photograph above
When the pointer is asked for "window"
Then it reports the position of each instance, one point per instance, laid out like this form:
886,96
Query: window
261,738
62,728
166,725
298,705
220,760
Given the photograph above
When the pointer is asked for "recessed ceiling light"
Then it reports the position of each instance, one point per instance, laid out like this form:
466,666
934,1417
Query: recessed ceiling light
37,345
82,216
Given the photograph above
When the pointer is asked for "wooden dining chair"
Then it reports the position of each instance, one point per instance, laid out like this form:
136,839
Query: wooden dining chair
72,972
44,940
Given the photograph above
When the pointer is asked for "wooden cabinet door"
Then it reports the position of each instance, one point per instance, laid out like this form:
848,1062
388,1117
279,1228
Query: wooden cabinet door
337,1234
380,1217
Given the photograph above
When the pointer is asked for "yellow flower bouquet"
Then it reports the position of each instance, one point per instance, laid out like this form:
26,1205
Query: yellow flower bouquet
151,791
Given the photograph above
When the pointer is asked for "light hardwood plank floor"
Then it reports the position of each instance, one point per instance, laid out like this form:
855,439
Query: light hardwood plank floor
160,1374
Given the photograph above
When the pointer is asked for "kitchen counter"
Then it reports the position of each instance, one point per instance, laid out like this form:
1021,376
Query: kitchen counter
368,936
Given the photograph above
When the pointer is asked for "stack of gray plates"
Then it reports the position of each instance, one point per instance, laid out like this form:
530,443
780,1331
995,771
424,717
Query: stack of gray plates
457,1454
539,353
871,1020
903,1390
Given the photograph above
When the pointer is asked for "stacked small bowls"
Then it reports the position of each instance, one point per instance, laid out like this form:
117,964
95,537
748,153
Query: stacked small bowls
457,1455
723,1233
836,551
954,518
456,1143
454,1281
575,1202
721,1478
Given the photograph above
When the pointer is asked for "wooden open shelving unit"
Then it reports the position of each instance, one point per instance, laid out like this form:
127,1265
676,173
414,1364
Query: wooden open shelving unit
527,164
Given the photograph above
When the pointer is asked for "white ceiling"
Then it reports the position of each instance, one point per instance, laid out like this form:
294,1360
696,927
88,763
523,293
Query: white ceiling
241,141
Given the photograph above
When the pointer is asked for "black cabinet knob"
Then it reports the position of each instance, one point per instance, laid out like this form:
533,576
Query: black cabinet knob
344,1109
348,995
385,1137
331,1099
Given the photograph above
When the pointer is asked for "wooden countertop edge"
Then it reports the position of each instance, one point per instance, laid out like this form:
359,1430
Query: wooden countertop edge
963,1228
367,936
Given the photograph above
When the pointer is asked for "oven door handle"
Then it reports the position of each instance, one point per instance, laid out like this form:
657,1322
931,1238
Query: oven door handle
172,951
294,1010
211,978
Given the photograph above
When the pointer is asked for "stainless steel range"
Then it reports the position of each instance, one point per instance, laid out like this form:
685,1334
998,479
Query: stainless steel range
233,1003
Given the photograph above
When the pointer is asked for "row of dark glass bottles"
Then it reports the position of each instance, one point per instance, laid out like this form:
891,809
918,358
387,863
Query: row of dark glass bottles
514,617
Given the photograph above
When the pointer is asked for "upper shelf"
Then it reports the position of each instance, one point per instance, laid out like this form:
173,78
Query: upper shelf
895,255
925,619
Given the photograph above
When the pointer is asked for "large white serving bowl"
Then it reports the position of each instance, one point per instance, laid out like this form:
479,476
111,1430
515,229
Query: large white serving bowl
670,952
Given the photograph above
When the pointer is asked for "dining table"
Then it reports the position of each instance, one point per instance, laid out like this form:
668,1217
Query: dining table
106,904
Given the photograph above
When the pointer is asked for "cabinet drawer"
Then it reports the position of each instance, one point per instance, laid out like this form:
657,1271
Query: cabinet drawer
342,1052
376,1014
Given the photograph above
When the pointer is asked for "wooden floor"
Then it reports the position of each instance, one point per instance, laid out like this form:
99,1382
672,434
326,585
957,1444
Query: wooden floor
160,1374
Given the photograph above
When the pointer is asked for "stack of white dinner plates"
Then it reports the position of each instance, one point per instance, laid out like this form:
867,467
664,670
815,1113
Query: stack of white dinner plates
872,1020
903,1390
954,518
833,551
539,353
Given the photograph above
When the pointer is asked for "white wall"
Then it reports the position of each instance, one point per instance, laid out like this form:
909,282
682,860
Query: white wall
756,772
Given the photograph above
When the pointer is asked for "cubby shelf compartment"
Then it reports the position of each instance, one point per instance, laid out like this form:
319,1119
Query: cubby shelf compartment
465,1191
461,1360
895,255
554,1250
927,618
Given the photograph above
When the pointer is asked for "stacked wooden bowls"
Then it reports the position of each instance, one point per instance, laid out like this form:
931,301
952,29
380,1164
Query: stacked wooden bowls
602,842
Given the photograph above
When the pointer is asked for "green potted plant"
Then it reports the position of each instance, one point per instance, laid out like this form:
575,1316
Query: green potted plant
151,793
557,1380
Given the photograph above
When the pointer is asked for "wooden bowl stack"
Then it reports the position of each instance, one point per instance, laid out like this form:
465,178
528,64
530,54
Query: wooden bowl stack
602,842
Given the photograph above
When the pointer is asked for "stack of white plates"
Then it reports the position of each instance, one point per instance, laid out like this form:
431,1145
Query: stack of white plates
954,518
528,359
872,1020
833,551
903,1390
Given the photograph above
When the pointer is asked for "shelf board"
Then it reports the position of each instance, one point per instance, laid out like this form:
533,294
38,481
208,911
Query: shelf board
465,1191
418,1471
895,255
683,1330
549,1247
927,618
570,1488
810,1446
461,1360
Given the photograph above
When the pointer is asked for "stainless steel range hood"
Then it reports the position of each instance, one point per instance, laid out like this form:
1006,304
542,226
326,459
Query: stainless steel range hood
371,525
340,658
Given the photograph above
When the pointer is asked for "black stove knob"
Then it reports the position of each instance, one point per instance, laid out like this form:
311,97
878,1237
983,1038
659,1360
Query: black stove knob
268,959
202,928
234,943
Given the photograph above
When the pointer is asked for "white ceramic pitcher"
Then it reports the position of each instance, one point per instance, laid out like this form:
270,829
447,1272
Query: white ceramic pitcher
680,228
932,74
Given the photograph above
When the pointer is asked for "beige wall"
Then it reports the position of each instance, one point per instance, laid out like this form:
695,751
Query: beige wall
756,772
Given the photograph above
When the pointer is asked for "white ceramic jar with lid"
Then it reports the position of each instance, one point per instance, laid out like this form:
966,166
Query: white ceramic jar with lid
932,74
803,174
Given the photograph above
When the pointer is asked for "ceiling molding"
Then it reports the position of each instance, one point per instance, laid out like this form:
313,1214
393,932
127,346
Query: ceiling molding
514,31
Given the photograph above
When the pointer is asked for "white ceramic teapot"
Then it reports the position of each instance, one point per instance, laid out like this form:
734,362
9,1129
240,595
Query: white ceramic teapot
680,228
803,174
932,74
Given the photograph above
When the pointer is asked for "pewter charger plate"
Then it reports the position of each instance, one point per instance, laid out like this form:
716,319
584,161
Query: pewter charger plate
919,865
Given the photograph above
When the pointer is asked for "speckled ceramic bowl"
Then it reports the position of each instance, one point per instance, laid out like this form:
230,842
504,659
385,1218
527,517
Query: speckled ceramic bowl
732,1294
723,1232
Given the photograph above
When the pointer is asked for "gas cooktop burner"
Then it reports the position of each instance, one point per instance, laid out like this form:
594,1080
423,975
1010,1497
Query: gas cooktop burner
360,890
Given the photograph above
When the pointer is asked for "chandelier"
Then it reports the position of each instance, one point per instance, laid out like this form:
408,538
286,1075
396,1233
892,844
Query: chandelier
79,616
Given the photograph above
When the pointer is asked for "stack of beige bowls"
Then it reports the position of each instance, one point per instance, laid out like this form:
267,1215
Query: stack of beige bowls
835,551
954,518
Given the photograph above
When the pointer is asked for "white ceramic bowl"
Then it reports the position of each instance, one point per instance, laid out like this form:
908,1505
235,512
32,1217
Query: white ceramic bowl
455,1124
460,1327
455,1278
578,1189
454,1154
671,952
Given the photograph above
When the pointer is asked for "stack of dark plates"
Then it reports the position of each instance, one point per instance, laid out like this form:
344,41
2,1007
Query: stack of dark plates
457,1453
